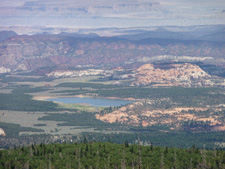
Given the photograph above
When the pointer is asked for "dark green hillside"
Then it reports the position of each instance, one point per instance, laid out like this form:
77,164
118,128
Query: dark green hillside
109,155
19,100
24,102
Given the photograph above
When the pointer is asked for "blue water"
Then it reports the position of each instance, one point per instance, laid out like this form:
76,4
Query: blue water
96,102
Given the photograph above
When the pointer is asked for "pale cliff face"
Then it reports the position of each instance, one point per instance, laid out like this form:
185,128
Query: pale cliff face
175,76
4,70
2,133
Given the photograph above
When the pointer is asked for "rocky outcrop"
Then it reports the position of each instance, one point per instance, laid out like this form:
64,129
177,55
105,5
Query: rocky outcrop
137,114
79,73
4,70
126,115
177,75
2,132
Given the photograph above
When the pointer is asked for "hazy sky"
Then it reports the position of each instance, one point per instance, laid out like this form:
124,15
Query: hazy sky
111,13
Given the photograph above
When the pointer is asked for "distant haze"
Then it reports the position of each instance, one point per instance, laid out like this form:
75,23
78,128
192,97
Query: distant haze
113,13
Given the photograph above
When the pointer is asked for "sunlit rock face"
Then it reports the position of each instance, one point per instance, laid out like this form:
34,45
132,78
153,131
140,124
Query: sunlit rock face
177,75
2,133
4,70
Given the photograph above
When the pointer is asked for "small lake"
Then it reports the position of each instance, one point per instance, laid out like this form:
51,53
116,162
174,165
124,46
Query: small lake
96,102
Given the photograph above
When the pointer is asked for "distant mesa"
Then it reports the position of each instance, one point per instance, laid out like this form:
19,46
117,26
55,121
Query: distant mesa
6,34
223,11
161,29
78,35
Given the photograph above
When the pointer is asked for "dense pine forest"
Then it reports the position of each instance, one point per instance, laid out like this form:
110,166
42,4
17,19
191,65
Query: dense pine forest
97,155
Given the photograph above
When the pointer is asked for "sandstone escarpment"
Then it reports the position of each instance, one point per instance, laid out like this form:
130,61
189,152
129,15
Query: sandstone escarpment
137,114
177,75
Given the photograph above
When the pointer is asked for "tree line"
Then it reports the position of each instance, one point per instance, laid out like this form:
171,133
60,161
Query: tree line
97,155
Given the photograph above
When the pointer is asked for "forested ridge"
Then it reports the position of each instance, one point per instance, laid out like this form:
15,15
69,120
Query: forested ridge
97,155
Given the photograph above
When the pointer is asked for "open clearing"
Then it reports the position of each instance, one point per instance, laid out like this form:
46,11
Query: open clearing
29,119
89,79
